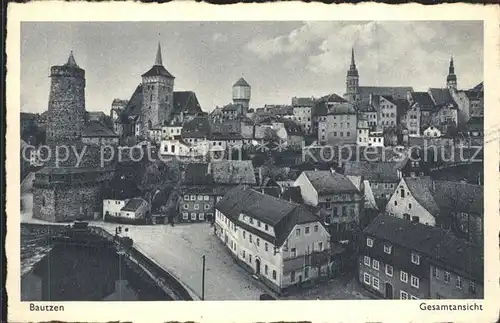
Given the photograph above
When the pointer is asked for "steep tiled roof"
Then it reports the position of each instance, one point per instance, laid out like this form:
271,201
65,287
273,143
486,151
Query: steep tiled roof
397,92
197,174
435,243
187,102
441,96
280,214
134,105
158,70
478,88
292,128
241,82
445,195
342,108
326,182
233,172
97,129
133,204
372,171
364,106
199,127
423,99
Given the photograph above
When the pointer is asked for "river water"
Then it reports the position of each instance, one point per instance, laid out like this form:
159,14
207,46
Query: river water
65,272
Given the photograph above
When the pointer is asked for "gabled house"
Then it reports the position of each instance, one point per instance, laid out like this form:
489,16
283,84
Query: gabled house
419,112
399,259
453,206
382,177
280,242
337,201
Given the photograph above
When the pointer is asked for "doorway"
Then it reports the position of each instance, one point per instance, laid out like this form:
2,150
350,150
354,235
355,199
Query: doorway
389,294
257,266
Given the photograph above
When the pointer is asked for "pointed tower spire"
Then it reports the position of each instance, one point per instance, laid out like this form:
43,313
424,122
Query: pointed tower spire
158,60
353,63
71,60
452,67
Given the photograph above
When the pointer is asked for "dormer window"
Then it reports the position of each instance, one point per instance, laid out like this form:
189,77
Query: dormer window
387,249
415,258
369,242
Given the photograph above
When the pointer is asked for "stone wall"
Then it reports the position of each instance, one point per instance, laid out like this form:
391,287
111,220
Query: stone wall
66,110
63,203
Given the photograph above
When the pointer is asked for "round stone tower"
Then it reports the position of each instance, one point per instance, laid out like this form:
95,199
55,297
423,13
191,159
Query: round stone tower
241,94
66,112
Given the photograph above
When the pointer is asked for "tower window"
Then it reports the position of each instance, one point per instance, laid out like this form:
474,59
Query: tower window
150,97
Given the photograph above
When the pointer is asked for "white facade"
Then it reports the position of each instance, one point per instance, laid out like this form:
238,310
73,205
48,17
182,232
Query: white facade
266,258
178,148
309,193
363,133
432,132
403,205
169,132
100,140
113,208
376,140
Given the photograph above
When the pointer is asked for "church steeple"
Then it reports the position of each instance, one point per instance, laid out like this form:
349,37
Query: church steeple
158,60
352,81
451,79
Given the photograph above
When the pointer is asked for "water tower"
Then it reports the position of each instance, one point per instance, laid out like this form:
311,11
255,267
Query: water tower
241,94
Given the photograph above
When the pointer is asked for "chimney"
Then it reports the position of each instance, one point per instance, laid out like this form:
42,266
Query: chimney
371,98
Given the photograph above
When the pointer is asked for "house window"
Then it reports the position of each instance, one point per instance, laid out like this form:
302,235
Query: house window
292,276
459,282
297,232
367,260
250,237
369,242
274,274
387,249
316,228
414,281
186,197
415,259
265,246
196,206
206,197
306,272
404,277
389,270
366,279
258,242
193,216
251,220
250,258
244,254
402,193
265,270
258,224
207,206
294,252
307,230
375,283
193,197
266,227
201,216
186,206
244,234
320,246
435,272
415,219
395,203
185,215
375,264
200,197
403,295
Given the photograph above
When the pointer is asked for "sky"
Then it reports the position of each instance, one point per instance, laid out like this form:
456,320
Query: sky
278,59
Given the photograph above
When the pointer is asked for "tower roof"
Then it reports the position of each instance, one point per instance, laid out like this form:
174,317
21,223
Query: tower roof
353,71
71,61
158,69
451,71
241,82
158,60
